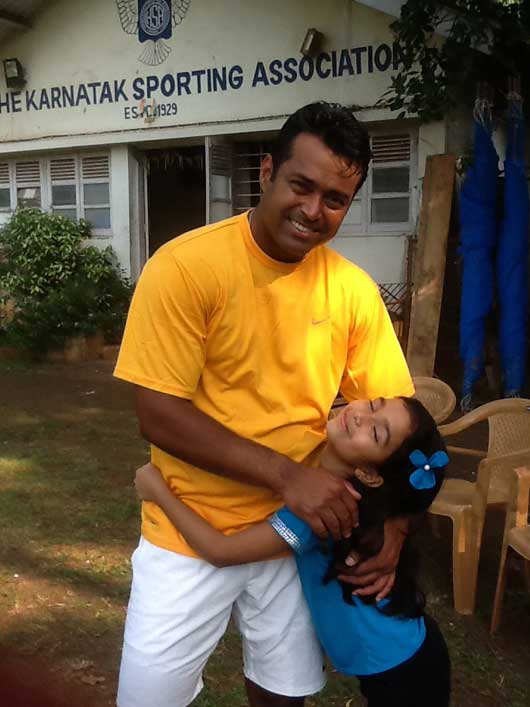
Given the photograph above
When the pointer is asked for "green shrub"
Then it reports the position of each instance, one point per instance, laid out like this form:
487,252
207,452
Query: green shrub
40,252
59,288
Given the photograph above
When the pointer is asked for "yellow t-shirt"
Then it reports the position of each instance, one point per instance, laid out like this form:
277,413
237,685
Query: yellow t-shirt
261,346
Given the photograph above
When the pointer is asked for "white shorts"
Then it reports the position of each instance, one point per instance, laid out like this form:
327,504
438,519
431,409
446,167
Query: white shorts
179,609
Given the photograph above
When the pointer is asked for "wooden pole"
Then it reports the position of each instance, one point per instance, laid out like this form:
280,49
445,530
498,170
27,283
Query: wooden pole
429,263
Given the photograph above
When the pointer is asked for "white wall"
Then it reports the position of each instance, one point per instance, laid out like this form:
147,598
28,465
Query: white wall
383,257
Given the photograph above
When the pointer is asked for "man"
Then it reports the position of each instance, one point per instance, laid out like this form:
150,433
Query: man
240,335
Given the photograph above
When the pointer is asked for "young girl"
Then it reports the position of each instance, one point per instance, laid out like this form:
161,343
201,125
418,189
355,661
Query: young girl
398,459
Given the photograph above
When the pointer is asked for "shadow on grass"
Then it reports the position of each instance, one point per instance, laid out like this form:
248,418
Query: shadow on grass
112,583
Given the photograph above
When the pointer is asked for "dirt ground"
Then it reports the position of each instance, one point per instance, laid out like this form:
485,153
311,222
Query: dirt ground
64,568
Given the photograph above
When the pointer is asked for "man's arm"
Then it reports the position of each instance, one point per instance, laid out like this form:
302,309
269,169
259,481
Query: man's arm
327,503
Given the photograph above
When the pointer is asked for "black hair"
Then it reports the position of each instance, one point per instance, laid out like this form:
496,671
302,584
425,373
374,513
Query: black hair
395,497
337,127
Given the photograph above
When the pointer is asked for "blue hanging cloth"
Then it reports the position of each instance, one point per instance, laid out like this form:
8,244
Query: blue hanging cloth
512,257
477,242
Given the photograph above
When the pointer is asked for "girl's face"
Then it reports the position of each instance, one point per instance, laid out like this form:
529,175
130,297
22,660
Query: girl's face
369,431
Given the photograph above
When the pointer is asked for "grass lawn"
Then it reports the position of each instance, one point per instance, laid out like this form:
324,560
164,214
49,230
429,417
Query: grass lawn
69,519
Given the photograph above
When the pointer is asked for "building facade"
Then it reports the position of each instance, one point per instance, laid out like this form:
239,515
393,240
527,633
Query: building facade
149,117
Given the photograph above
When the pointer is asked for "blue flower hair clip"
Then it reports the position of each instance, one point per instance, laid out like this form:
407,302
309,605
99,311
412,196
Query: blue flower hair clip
423,476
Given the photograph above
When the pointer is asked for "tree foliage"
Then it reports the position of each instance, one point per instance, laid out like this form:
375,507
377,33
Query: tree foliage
487,40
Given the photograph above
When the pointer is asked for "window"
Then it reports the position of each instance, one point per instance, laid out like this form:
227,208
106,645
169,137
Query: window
28,183
384,204
5,190
74,186
390,179
95,201
63,180
80,188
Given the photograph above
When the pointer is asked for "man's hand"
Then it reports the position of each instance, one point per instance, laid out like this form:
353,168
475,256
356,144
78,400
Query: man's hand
325,501
376,575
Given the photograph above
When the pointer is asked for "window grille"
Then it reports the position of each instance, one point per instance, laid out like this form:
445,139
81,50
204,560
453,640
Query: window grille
96,167
63,169
245,181
390,148
27,172
5,190
28,183
221,159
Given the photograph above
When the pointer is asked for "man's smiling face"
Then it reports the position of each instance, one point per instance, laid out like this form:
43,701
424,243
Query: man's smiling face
304,203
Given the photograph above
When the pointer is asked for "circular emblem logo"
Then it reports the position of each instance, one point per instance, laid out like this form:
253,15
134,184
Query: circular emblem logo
154,17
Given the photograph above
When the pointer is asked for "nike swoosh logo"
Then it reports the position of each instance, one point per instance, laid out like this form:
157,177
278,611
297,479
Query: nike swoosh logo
319,321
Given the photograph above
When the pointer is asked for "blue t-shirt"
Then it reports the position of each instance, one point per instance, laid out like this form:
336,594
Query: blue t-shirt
358,639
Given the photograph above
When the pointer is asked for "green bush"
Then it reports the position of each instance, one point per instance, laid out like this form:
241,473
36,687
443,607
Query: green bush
40,252
59,288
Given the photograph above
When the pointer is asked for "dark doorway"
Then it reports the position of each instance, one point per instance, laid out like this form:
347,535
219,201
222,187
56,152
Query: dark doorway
176,193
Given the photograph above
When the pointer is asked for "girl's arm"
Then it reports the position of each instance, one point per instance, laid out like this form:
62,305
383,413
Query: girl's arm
259,542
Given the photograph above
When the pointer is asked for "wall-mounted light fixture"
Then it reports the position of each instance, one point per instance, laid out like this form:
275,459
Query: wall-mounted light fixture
312,42
14,73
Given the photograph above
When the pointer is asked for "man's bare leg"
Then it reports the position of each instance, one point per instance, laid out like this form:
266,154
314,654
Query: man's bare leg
259,697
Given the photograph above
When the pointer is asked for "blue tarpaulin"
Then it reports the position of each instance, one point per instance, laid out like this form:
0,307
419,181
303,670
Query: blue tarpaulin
477,238
512,259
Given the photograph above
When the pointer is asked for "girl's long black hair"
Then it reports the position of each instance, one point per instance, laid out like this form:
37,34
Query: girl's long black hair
395,497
